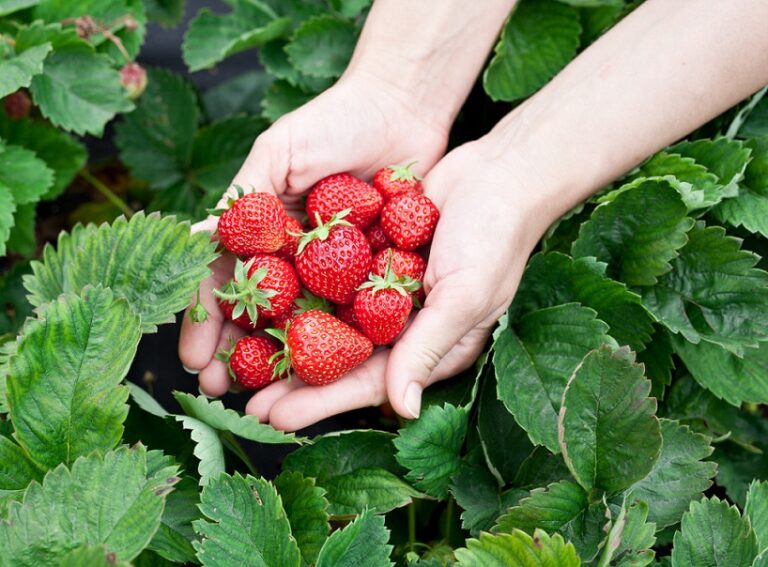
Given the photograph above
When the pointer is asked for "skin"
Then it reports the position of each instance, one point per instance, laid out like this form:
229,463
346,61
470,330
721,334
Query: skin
664,70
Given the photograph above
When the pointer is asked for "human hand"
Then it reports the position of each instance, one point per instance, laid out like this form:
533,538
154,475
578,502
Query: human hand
358,125
490,222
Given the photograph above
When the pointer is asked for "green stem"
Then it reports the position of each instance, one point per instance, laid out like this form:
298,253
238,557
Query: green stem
107,192
233,445
448,520
412,526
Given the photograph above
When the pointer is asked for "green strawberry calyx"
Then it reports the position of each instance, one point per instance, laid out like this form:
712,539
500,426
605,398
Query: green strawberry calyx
283,357
322,230
404,285
244,292
198,313
403,173
218,211
224,355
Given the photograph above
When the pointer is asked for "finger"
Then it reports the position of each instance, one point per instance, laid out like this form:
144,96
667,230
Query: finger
214,378
197,342
260,404
448,315
461,356
362,387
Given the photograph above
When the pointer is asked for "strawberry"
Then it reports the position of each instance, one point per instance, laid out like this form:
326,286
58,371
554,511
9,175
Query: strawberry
402,263
243,321
343,191
320,348
409,220
306,302
346,313
377,238
17,105
395,180
253,224
293,231
252,362
265,286
382,306
333,259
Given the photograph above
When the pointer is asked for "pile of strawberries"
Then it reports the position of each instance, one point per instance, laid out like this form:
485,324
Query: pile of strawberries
328,292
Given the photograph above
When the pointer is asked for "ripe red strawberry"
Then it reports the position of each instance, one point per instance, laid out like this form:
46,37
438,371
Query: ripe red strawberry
321,348
382,306
293,231
377,238
334,259
409,220
395,180
243,321
343,191
306,302
265,286
252,362
402,263
253,224
346,313
17,105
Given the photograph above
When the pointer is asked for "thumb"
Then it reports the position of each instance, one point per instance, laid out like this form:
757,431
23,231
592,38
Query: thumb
447,317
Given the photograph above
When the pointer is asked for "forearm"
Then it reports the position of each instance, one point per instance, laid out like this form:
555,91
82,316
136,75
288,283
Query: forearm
431,51
660,73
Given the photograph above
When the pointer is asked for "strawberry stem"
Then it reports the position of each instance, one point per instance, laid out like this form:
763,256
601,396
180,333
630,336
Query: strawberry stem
323,230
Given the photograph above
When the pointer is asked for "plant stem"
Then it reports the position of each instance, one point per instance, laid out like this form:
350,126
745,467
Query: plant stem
107,192
233,445
448,520
412,526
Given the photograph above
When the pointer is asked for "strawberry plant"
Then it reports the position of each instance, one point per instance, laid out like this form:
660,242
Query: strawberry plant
617,416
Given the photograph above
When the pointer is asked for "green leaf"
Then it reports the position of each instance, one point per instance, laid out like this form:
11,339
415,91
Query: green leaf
63,390
155,140
91,556
635,537
535,361
554,278
118,503
637,232
214,414
362,542
219,150
548,509
713,293
79,102
167,13
657,359
247,526
18,71
538,40
713,533
152,261
275,60
60,152
517,549
7,208
357,468
241,94
678,476
145,401
210,38
11,6
724,157
22,240
737,468
757,511
322,46
282,98
350,8
27,176
607,429
596,19
306,507
208,448
477,493
17,470
757,121
429,448
727,376
173,538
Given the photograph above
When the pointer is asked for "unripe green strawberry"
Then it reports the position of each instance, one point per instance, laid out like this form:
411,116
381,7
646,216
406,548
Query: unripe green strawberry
343,191
253,224
252,361
395,180
409,220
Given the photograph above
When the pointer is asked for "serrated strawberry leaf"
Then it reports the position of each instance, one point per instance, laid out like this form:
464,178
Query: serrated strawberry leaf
607,428
756,509
41,530
275,60
208,450
17,470
26,175
173,539
538,40
157,283
18,71
91,556
713,292
7,209
365,541
63,391
549,509
517,548
210,38
282,98
155,140
307,510
246,525
724,157
239,95
11,6
22,239
322,46
167,13
535,360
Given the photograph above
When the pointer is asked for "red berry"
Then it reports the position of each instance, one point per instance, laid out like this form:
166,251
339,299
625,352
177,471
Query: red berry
346,313
395,180
253,224
323,349
377,238
409,220
293,232
17,105
343,191
382,306
306,302
402,263
333,260
134,78
243,321
250,363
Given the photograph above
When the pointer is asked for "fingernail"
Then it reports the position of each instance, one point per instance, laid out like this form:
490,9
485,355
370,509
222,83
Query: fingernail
412,400
205,395
189,370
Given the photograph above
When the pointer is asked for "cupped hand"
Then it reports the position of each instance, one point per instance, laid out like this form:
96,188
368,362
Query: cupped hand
358,125
490,222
